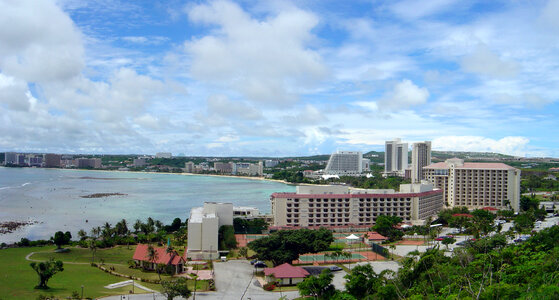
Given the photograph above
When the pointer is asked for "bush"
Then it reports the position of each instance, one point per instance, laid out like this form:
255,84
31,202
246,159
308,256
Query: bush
270,286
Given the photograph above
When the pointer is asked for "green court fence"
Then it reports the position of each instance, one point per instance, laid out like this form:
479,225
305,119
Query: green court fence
378,249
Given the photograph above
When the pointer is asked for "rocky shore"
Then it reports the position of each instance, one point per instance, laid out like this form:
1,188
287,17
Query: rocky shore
102,195
11,226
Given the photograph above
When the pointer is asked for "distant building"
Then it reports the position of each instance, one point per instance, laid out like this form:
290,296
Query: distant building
420,157
223,168
21,159
10,158
250,169
476,185
333,205
83,163
53,160
167,258
189,167
345,163
270,163
203,229
140,162
35,160
163,155
245,212
395,158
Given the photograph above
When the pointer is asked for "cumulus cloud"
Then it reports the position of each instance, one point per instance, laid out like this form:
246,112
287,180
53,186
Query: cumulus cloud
38,42
265,60
404,95
14,93
484,62
512,145
222,106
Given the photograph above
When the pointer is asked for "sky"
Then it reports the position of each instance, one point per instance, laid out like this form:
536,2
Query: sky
278,78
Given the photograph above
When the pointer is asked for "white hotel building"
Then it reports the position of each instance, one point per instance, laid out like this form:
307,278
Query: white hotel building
476,185
342,206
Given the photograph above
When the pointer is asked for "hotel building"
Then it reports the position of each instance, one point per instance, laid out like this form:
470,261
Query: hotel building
343,206
395,158
476,185
346,163
420,157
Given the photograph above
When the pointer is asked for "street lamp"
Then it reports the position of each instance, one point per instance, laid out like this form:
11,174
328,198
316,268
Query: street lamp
82,292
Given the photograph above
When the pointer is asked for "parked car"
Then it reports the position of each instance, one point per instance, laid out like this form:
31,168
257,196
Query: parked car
335,268
260,264
252,262
442,237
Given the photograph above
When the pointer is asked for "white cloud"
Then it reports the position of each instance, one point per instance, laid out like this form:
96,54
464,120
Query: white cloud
222,106
404,95
484,62
512,145
14,93
265,60
38,42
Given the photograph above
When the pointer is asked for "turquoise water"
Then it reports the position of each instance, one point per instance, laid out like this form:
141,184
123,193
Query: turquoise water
52,198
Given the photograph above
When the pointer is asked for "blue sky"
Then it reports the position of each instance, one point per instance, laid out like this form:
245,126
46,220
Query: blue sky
278,78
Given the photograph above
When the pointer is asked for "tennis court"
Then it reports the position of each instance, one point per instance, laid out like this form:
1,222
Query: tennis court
322,258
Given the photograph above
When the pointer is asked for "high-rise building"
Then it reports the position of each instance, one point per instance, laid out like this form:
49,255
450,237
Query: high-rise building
53,160
476,185
345,163
10,158
420,157
395,158
163,155
203,229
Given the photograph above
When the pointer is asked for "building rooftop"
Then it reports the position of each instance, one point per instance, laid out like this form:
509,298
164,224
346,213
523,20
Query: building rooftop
469,165
162,257
286,271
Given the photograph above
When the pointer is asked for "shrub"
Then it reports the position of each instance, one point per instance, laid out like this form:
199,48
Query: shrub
270,286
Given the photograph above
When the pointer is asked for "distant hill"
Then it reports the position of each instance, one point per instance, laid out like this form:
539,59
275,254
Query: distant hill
378,157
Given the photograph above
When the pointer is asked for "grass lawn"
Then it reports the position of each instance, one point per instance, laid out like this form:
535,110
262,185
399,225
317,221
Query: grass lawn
115,255
17,278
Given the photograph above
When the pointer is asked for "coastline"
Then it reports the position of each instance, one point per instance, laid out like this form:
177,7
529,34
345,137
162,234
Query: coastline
169,173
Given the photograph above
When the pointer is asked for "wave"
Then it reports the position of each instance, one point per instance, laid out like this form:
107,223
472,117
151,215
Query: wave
12,187
27,183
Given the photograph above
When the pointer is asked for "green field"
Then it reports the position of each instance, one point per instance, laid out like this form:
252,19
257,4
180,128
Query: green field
18,279
115,255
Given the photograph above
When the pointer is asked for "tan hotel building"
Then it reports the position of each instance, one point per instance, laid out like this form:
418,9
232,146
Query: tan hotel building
476,185
342,206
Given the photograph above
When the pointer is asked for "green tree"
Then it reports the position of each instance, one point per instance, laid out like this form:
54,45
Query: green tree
175,288
243,251
226,237
61,238
45,270
385,225
286,245
93,248
448,241
319,287
363,281
82,234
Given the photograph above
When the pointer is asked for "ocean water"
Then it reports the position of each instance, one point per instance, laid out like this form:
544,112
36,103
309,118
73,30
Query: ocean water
52,197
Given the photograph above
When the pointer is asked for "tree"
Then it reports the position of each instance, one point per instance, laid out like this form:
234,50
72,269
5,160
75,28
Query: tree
243,251
82,234
286,245
448,241
226,237
363,281
174,288
385,225
61,238
93,248
320,287
176,225
137,226
46,270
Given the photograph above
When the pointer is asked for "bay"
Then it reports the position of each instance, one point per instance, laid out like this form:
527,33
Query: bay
53,198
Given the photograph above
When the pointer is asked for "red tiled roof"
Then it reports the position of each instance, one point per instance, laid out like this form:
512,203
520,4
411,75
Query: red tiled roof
470,165
463,215
376,236
163,257
489,208
286,271
348,196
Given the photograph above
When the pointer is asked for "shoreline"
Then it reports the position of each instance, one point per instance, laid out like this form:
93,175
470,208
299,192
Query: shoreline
169,173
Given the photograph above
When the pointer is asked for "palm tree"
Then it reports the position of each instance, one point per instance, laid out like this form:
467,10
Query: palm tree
82,234
152,255
137,226
95,231
93,248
